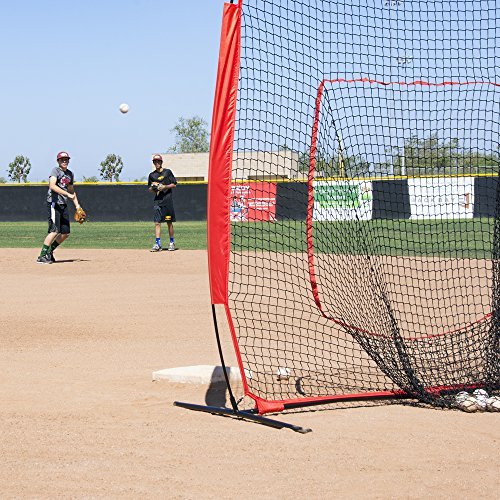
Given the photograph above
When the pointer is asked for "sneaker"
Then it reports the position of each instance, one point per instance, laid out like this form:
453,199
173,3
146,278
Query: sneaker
44,259
171,247
156,248
50,255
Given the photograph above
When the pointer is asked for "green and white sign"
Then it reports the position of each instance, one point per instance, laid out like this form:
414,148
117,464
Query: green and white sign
342,200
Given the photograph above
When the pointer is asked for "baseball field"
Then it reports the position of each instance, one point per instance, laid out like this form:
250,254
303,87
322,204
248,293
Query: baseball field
80,416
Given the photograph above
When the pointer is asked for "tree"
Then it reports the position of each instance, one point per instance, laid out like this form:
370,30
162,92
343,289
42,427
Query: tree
19,169
2,180
383,168
344,166
111,168
433,156
191,136
93,178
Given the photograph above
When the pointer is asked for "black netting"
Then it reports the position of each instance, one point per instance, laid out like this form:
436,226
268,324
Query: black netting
375,125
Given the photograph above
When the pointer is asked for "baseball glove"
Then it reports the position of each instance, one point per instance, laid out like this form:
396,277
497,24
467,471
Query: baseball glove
80,215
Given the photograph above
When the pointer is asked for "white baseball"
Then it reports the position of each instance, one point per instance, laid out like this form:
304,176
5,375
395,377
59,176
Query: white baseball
466,402
124,108
481,397
493,403
283,373
461,397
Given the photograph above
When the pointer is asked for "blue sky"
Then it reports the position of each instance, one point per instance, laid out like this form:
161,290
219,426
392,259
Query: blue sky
67,66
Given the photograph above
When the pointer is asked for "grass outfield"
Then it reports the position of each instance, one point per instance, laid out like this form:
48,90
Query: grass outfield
454,238
188,235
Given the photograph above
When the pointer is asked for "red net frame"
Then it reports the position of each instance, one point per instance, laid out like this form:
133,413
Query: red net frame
312,174
219,231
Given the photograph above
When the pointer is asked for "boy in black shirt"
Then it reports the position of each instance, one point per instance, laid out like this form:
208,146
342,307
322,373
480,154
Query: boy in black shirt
161,182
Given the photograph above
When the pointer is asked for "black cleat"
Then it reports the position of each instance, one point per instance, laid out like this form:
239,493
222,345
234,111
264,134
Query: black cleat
44,259
50,255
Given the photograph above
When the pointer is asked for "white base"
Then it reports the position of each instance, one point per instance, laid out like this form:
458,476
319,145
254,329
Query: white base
199,374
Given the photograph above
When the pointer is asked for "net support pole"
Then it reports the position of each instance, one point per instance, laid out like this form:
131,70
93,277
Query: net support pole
219,189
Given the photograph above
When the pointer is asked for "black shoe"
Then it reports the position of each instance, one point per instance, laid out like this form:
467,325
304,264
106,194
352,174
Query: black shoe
44,259
50,255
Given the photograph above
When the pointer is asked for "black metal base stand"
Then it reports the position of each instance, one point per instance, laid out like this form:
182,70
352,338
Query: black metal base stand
235,412
243,415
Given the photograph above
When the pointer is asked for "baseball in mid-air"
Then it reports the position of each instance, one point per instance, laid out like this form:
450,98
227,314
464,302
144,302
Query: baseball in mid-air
124,108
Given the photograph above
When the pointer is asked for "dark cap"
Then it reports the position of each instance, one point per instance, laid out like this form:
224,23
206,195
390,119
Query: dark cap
63,154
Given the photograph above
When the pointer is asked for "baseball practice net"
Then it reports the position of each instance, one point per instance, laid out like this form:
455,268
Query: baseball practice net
354,203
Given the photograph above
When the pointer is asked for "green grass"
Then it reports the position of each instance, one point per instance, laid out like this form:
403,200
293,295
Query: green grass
188,235
464,238
447,238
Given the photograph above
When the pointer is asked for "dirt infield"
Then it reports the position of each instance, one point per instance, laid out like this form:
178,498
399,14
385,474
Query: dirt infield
80,416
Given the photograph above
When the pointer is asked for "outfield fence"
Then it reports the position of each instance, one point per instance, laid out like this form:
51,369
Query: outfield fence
395,198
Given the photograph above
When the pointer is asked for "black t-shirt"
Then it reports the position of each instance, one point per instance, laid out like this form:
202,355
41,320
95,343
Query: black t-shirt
165,177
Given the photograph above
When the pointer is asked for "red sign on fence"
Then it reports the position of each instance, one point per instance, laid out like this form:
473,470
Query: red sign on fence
253,202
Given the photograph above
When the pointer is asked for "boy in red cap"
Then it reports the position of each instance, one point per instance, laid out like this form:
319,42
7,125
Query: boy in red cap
60,189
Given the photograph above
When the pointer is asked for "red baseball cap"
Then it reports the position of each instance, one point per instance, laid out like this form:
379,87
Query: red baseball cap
158,157
63,154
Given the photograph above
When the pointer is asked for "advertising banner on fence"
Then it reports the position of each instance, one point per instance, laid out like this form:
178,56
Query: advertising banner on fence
254,201
441,198
342,200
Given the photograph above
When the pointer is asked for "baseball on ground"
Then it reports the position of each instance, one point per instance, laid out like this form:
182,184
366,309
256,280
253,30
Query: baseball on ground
283,373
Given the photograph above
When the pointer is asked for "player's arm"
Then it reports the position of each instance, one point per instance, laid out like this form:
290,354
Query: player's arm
173,182
164,187
71,189
152,186
54,187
